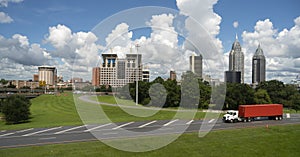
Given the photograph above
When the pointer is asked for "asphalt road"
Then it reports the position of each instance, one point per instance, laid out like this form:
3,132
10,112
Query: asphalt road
67,134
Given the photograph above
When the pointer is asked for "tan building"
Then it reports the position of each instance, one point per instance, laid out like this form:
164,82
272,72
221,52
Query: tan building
36,78
76,79
48,74
24,83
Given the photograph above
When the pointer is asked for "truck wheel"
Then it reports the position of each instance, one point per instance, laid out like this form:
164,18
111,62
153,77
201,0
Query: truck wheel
245,120
280,118
276,118
249,120
231,121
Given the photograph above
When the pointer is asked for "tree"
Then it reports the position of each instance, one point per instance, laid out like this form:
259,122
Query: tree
105,88
261,96
296,101
3,81
158,95
16,109
275,90
173,90
190,92
238,94
205,94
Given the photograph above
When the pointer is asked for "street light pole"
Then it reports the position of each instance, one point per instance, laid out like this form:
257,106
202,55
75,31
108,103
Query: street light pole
136,75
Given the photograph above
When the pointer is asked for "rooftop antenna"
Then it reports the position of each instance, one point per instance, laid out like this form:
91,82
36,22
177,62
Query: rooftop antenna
111,50
137,48
236,36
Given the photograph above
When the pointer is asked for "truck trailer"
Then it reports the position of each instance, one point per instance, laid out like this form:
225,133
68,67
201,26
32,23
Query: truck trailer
247,113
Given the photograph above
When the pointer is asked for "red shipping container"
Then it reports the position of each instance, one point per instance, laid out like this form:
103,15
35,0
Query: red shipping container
261,110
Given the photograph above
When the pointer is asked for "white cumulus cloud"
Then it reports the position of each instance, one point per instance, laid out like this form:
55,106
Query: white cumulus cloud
281,49
161,50
4,3
235,24
203,26
4,18
18,50
76,51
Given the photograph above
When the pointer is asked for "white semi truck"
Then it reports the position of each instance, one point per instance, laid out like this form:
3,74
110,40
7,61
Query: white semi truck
248,113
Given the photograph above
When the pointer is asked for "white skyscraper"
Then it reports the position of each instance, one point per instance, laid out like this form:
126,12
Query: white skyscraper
236,59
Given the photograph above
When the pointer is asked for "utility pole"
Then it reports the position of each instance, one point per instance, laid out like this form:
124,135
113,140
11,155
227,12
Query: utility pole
137,75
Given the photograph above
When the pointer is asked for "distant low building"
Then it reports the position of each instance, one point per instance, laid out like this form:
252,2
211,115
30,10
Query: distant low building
24,84
36,78
146,75
172,75
233,76
76,79
211,81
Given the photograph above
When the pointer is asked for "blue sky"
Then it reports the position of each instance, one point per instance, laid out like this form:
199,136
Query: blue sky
32,18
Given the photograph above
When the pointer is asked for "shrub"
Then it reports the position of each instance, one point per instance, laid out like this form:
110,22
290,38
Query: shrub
16,109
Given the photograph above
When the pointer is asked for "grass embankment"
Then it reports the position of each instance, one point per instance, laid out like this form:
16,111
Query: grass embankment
48,111
51,111
274,141
126,113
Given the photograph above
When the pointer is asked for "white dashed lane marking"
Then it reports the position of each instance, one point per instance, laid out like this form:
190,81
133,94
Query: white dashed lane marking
122,125
190,122
97,127
210,121
63,131
147,124
41,131
24,130
7,134
170,122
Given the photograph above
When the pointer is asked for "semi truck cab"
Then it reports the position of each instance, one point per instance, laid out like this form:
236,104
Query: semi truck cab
231,116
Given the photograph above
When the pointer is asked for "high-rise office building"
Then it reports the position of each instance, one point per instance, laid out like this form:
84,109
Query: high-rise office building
118,72
236,59
258,66
196,65
48,74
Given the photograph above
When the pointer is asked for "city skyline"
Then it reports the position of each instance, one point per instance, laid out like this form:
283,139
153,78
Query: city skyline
39,31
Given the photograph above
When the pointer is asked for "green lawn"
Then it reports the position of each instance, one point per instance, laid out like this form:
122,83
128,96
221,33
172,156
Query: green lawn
116,114
51,110
48,111
278,141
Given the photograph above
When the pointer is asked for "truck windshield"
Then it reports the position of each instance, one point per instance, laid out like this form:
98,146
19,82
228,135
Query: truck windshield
231,113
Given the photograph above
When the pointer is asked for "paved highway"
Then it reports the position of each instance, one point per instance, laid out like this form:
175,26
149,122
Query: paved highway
66,134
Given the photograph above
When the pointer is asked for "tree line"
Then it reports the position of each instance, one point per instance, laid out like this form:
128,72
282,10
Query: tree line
152,93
